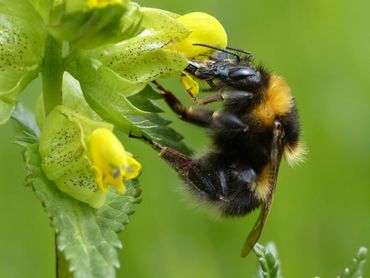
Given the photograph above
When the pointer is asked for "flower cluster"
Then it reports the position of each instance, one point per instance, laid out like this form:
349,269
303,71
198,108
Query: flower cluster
116,49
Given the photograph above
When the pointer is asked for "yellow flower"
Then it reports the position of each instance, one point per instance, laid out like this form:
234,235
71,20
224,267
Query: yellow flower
204,29
110,161
91,4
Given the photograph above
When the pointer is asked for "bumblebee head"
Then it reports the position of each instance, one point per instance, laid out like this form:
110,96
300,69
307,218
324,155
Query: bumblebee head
243,77
229,68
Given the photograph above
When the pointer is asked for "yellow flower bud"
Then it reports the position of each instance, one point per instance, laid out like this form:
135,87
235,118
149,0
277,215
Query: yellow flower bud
204,29
110,161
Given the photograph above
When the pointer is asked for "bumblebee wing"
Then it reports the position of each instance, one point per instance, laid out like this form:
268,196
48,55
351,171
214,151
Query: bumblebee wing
275,158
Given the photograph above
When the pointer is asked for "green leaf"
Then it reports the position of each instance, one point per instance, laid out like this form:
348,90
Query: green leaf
26,125
357,268
6,110
87,237
269,265
22,38
143,101
149,92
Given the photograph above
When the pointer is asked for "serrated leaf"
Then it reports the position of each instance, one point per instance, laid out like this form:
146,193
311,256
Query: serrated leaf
144,100
145,104
149,92
26,125
87,236
357,268
269,265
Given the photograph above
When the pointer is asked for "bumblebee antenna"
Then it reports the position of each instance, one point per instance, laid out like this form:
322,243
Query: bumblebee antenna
249,54
218,48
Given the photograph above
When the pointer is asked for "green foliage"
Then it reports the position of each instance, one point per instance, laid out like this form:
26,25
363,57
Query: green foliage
113,52
108,84
357,267
269,265
87,236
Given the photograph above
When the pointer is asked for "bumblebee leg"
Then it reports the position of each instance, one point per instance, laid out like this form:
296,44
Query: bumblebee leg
190,170
192,114
174,158
193,173
223,119
230,97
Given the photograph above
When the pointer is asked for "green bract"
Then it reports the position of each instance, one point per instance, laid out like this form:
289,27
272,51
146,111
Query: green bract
42,7
22,38
139,59
86,27
64,154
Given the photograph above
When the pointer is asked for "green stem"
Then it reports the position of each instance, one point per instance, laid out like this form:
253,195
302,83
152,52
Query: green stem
52,74
61,264
52,78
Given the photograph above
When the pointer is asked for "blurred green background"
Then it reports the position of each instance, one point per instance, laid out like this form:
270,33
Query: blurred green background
321,213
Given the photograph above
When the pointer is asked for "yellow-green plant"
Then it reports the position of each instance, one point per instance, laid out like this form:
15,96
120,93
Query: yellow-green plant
96,59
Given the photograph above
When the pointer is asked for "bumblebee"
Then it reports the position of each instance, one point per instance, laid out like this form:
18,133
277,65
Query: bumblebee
255,126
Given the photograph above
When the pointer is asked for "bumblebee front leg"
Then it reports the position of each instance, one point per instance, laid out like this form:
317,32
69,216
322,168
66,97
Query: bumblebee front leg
192,114
175,159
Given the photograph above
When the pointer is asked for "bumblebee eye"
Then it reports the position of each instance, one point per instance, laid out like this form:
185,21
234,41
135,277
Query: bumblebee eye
241,73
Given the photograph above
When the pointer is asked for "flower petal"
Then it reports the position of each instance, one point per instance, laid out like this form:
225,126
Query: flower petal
204,29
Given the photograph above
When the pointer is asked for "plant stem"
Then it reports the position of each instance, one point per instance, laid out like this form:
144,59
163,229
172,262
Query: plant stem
52,78
61,264
52,74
